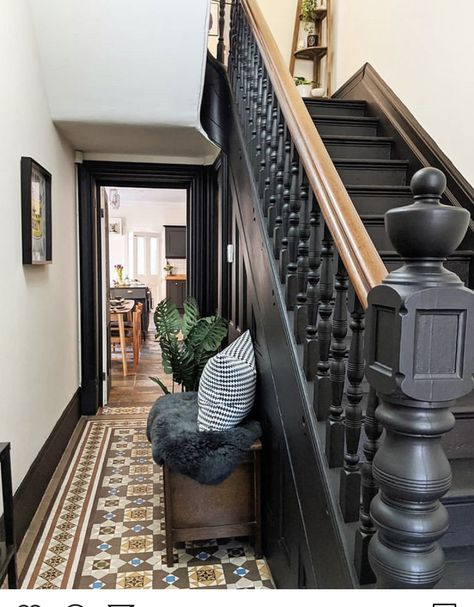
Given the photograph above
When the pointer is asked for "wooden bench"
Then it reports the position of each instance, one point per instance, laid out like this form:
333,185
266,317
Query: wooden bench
231,509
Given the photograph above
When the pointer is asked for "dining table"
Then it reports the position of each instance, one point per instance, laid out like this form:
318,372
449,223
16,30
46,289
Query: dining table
119,313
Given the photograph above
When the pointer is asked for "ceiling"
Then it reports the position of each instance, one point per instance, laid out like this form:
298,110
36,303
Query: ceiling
125,77
132,196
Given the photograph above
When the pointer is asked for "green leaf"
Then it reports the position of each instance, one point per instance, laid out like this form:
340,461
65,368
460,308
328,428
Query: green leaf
158,381
167,319
191,315
208,334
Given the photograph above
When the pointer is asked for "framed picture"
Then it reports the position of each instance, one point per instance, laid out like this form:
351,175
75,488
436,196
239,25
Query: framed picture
115,225
214,19
36,213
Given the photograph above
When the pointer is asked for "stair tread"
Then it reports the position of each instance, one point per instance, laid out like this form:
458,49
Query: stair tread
357,138
332,117
371,161
405,189
335,100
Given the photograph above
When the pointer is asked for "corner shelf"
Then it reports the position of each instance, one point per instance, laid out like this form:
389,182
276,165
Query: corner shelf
320,55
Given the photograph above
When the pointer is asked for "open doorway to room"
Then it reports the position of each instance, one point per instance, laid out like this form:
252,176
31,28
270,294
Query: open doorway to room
137,240
143,262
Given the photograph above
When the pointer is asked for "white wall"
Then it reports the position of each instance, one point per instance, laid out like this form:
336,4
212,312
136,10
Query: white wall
38,327
424,51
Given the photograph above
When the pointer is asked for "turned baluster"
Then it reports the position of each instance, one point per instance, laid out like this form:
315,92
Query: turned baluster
337,371
261,134
293,236
285,214
420,359
369,488
285,197
322,382
253,99
270,182
349,487
247,126
254,143
301,310
310,351
276,198
220,43
270,125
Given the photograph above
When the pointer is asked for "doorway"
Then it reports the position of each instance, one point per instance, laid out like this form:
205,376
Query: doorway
140,264
199,185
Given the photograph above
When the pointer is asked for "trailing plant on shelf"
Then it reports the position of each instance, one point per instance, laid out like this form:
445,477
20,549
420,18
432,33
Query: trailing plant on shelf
308,13
301,80
185,358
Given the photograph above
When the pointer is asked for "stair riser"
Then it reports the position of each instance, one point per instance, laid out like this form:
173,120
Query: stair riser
458,443
325,108
346,128
379,237
360,175
378,204
359,150
461,530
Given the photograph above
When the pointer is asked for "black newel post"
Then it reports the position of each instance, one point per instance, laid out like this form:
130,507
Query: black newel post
420,357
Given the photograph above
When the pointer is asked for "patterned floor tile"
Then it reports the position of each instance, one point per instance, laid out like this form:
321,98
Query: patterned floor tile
106,527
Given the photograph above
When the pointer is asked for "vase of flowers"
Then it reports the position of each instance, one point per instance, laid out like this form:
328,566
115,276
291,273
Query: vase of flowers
308,15
168,268
119,270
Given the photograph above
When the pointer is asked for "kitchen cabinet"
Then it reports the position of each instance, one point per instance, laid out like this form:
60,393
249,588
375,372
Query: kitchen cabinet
176,292
175,242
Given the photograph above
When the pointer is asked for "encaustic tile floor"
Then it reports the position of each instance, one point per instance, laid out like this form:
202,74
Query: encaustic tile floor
105,526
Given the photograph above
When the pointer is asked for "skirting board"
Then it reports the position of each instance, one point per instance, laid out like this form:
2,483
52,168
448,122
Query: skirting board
31,490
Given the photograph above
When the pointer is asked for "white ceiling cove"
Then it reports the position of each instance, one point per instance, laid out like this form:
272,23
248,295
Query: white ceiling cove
122,76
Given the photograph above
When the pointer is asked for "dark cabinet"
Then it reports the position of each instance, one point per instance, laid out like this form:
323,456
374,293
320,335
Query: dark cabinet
176,292
175,242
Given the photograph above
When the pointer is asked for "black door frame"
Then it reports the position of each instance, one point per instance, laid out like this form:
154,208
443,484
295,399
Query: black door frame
202,247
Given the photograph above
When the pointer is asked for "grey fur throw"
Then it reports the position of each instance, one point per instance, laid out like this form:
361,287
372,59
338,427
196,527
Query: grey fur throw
207,457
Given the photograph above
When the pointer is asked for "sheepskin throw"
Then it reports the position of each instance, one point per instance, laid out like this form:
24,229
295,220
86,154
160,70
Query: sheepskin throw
227,386
207,457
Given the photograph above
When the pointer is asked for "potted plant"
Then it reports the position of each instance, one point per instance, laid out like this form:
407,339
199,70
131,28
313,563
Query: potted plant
168,268
185,358
303,86
308,17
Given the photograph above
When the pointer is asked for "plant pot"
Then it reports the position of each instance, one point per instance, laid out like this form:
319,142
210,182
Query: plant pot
304,90
318,92
312,40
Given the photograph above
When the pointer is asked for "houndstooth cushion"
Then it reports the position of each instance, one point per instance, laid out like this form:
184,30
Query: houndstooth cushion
227,386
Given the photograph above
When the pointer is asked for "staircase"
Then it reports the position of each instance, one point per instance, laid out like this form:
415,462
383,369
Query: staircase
376,180
352,460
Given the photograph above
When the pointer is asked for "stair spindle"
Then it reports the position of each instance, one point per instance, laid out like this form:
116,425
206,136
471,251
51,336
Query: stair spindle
337,371
322,382
369,488
293,234
282,208
310,351
276,197
285,214
349,487
301,310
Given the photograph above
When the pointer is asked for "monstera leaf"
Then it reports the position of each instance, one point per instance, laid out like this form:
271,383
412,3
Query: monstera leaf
167,320
191,315
185,358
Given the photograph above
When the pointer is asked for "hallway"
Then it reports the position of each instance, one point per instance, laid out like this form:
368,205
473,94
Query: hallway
105,527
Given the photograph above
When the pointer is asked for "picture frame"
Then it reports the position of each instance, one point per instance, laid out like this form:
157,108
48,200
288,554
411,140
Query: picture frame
115,225
36,213
214,19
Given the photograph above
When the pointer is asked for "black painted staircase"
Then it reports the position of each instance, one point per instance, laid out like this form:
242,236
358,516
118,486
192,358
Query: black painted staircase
376,179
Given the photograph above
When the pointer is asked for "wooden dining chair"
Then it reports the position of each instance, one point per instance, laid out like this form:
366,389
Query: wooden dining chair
132,333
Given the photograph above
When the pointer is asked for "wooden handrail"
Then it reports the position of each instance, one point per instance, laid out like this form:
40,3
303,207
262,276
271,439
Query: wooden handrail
364,266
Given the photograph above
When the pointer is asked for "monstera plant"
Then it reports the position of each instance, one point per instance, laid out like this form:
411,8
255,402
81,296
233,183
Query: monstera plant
186,342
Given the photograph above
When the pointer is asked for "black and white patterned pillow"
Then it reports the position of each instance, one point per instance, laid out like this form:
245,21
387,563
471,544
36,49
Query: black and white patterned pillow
227,387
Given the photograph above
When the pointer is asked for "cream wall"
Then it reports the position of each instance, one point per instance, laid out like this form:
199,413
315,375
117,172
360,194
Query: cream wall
424,51
38,328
